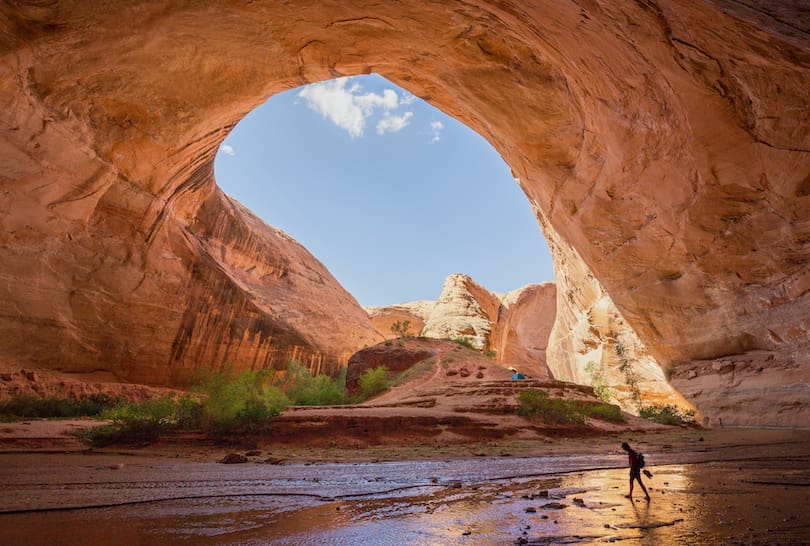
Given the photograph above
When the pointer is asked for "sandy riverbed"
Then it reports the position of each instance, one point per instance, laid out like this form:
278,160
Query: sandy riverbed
734,486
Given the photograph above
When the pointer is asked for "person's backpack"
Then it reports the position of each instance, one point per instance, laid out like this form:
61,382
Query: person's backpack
641,463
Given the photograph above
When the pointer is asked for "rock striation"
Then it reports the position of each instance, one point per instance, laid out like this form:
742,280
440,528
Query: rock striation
521,334
414,312
673,156
465,309
514,326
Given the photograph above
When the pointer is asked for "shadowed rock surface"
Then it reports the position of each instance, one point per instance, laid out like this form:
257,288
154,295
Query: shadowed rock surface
667,143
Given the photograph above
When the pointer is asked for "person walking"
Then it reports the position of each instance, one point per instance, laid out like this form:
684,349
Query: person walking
636,461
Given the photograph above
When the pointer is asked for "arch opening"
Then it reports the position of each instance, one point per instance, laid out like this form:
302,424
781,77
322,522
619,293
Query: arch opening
391,194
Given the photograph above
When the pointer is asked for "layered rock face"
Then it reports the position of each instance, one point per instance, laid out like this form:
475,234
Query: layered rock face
592,344
521,334
415,313
667,142
515,325
465,309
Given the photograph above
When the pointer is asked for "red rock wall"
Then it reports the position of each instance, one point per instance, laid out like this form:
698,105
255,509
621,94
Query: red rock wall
521,334
666,141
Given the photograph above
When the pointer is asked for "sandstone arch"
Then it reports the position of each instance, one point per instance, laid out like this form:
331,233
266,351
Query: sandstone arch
664,146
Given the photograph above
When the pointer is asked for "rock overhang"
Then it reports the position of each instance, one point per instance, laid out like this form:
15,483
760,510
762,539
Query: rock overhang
664,145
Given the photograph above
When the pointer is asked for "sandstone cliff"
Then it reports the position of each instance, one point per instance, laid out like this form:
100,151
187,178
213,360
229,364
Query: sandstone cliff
414,312
465,309
515,325
666,141
521,334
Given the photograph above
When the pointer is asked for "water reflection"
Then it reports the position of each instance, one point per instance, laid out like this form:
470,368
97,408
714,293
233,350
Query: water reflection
496,503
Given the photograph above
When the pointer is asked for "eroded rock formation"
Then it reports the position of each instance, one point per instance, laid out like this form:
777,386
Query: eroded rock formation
465,309
521,335
667,142
415,313
514,326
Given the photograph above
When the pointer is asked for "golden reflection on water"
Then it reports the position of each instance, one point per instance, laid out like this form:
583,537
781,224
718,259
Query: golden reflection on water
708,503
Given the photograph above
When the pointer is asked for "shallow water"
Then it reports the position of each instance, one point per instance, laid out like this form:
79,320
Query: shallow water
458,502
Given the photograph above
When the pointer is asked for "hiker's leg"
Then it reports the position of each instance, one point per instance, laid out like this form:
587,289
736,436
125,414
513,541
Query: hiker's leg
630,494
641,483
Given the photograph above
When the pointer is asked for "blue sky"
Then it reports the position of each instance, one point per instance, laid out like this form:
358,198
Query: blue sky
387,191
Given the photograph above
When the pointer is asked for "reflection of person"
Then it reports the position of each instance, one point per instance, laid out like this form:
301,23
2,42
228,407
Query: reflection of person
635,469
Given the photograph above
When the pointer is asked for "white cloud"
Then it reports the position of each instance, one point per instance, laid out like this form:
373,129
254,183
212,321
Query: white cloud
341,102
388,100
226,149
392,124
406,98
436,127
333,101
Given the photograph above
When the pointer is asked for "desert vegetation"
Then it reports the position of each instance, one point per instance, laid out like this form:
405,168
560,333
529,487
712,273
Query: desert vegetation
536,404
668,415
33,407
464,341
402,329
226,405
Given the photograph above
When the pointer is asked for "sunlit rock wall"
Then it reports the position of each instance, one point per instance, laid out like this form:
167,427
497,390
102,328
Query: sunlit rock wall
464,309
666,141
592,344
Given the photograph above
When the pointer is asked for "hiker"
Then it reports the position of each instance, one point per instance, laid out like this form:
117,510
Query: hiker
516,374
636,460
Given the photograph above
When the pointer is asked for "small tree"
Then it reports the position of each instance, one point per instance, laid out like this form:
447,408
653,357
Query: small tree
598,383
401,329
373,381
626,367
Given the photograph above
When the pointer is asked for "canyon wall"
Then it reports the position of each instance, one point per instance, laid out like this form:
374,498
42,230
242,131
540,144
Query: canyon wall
667,142
513,327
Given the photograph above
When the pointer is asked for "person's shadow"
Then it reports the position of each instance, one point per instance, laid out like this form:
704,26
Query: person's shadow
641,515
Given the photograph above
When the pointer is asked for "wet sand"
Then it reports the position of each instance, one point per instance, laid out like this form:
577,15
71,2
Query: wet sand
735,487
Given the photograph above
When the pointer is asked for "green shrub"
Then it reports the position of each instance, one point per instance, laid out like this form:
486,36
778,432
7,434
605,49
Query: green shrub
32,407
667,415
464,341
137,423
598,383
491,354
630,376
536,404
402,329
224,404
373,381
242,404
303,389
603,412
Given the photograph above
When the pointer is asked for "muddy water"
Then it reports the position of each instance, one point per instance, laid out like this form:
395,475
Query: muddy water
747,495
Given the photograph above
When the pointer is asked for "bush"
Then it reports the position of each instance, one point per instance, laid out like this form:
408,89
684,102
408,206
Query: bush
668,415
242,404
402,329
598,383
225,404
32,407
304,390
603,412
373,381
465,342
536,404
138,423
